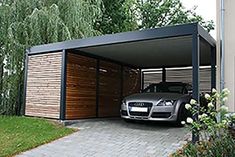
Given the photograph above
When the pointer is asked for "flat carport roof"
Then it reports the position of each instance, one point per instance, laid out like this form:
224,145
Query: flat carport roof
173,46
154,48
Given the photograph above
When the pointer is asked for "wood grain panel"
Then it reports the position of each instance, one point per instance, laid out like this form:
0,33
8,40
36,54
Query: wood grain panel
80,87
131,81
43,85
180,75
109,89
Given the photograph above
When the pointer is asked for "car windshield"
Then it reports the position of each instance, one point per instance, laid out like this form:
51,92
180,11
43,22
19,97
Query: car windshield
165,88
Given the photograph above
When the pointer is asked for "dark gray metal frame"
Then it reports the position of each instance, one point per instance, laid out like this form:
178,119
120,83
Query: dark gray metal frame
194,30
97,86
196,76
63,86
213,67
163,74
25,79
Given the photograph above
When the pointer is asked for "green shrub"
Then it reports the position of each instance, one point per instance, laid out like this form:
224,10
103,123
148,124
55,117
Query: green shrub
212,125
223,146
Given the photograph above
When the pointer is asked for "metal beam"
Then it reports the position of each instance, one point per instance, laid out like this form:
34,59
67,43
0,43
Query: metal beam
63,86
122,82
206,36
163,74
121,87
25,80
213,67
196,76
97,86
142,80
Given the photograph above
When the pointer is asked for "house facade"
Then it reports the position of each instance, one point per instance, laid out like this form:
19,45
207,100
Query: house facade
225,47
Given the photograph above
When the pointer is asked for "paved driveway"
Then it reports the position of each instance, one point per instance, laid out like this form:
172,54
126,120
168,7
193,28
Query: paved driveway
114,138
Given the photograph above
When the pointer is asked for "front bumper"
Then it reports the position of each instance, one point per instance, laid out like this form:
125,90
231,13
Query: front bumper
157,113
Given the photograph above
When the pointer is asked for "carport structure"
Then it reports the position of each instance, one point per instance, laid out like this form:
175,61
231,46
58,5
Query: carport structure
88,78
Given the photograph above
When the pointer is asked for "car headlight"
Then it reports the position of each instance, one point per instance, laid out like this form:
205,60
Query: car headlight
124,106
166,103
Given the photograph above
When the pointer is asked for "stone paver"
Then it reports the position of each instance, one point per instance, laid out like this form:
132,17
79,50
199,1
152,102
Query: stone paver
114,138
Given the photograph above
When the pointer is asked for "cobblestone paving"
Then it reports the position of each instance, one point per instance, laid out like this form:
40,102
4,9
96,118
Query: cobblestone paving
114,138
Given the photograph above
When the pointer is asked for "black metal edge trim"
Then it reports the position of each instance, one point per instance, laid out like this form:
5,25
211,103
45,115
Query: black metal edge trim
63,86
46,52
25,80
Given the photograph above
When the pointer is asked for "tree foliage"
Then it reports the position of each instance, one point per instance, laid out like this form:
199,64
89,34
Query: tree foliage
125,15
158,13
24,23
118,16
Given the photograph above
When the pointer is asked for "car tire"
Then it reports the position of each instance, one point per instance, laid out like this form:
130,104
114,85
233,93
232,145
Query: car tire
182,115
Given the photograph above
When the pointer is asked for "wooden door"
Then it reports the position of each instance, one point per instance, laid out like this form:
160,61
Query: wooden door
80,87
109,89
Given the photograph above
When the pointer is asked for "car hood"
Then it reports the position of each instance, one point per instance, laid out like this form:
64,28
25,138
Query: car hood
153,96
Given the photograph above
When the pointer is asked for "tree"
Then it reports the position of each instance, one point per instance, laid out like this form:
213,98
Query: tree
25,23
118,16
126,15
158,13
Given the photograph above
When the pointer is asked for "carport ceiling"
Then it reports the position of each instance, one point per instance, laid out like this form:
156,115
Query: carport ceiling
167,52
153,48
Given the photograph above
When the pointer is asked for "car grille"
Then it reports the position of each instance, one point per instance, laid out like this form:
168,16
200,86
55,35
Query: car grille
140,104
161,115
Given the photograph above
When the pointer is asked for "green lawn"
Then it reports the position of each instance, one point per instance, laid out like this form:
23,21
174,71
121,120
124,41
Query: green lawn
18,134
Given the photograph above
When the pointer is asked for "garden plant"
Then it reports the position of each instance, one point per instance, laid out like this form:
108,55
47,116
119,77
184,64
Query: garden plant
213,126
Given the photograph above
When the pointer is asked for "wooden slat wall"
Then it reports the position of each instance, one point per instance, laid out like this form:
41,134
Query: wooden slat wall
180,75
80,87
131,81
185,75
109,89
43,85
152,77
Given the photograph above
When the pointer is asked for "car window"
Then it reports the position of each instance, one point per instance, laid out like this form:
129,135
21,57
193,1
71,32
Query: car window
150,89
175,89
163,88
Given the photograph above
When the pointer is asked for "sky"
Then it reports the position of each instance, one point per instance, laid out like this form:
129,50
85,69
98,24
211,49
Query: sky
206,8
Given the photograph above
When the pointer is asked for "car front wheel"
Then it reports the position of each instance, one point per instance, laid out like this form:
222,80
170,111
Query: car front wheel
182,115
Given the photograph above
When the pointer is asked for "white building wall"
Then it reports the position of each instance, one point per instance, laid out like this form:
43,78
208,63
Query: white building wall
229,34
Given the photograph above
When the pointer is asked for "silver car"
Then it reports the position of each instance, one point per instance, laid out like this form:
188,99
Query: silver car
164,101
